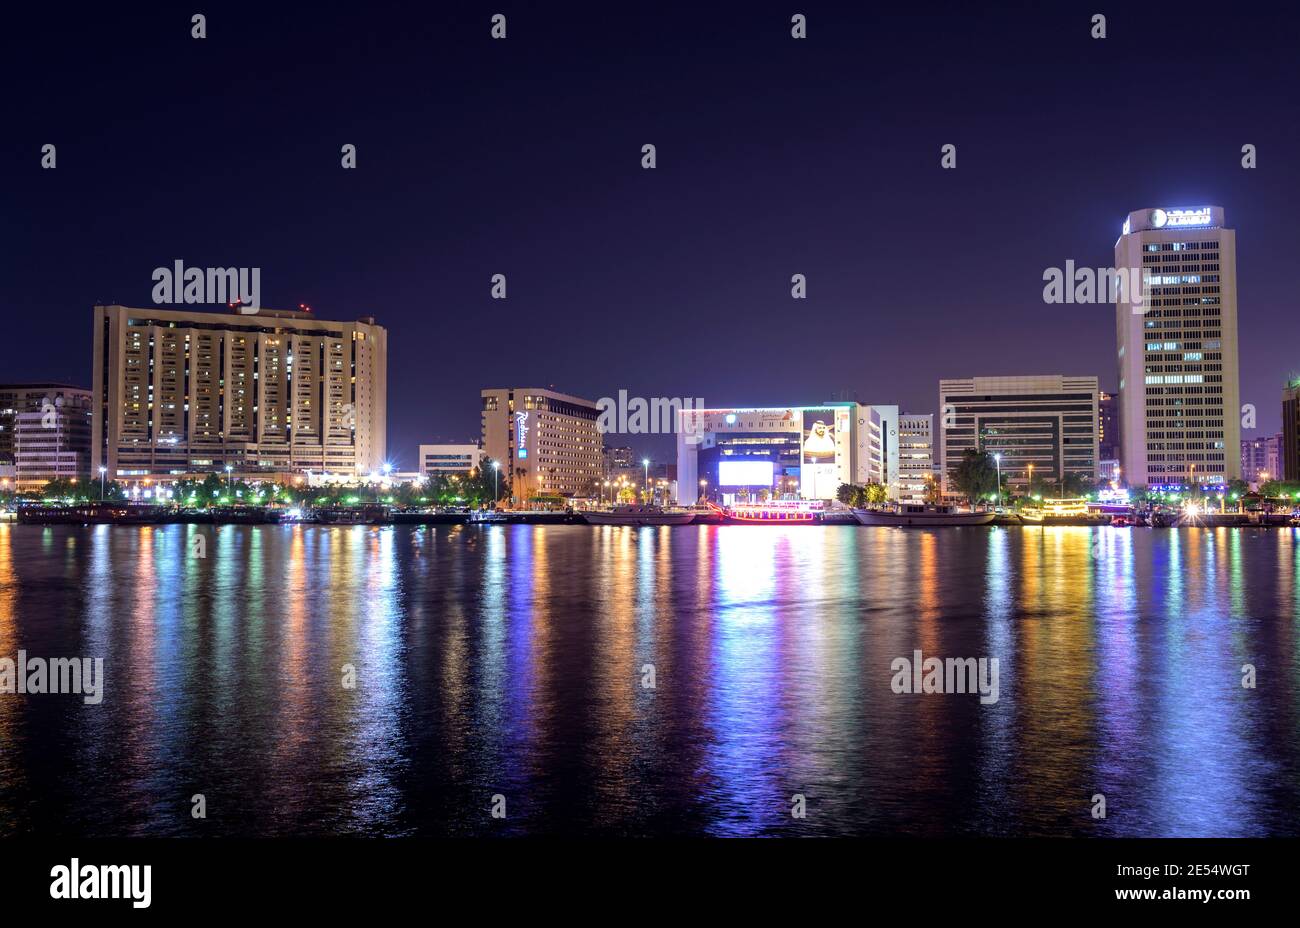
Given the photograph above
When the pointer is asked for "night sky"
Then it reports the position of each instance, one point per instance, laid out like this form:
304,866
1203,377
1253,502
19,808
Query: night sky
522,157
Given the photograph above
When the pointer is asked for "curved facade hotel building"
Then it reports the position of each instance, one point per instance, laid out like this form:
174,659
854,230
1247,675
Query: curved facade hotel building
547,443
1179,399
277,391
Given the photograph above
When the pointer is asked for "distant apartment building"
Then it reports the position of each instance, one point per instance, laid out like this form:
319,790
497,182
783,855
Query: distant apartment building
448,459
51,437
1107,426
1291,431
16,398
1044,425
916,469
547,443
618,459
1179,397
1261,458
179,392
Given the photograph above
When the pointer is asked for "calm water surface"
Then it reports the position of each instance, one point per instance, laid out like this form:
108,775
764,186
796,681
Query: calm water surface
510,660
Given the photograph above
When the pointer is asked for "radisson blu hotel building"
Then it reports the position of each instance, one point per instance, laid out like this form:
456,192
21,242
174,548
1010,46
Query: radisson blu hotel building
788,451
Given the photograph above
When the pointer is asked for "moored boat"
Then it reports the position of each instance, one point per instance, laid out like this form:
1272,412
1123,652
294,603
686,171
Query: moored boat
430,516
1063,512
920,514
775,512
367,514
638,515
245,515
96,513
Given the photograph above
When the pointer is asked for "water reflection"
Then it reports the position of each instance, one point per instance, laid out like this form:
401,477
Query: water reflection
627,680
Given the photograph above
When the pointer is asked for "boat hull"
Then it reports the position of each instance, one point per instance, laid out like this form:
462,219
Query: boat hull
921,519
621,518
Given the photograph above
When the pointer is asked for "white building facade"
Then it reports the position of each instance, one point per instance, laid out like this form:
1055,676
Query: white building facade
916,470
1179,394
448,459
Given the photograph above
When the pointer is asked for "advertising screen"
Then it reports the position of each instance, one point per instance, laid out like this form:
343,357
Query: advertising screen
818,477
745,473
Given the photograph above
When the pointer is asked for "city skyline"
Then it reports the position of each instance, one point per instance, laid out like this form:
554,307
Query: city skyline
474,425
694,257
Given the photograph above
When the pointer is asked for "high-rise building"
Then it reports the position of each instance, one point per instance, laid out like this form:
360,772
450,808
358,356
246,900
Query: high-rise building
1047,423
52,440
17,398
1291,431
878,428
618,459
546,443
1107,426
1179,398
1261,458
180,392
915,456
448,459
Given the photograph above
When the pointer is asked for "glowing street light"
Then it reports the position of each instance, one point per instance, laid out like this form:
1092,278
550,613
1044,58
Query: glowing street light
997,459
102,471
646,462
496,471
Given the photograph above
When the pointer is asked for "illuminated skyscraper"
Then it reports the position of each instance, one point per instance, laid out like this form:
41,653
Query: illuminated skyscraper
1179,399
546,443
177,391
1290,449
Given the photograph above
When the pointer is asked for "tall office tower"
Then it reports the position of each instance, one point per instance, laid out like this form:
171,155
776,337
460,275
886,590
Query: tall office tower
1107,427
915,456
1049,422
1291,431
546,443
1179,397
277,391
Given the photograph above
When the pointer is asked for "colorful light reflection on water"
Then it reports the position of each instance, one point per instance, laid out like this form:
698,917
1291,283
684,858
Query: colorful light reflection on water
511,660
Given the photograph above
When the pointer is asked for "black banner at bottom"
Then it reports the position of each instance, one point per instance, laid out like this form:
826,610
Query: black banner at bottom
150,877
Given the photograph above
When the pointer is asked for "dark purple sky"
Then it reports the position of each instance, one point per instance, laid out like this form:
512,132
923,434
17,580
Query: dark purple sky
522,157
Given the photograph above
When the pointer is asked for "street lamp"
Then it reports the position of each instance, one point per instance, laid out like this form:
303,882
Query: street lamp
997,459
646,462
102,471
496,492
229,478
